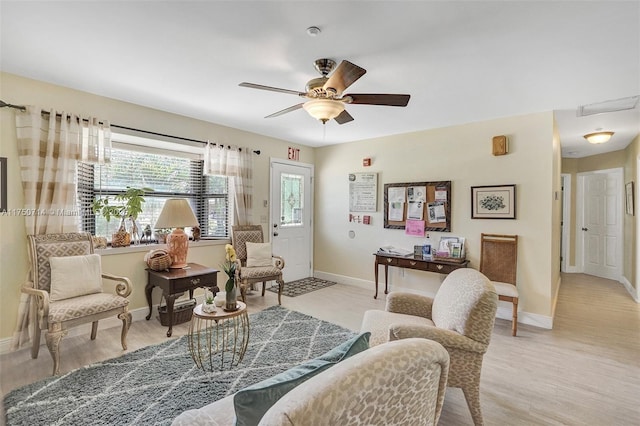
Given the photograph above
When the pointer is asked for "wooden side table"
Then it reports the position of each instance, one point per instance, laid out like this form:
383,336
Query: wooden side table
176,281
220,332
438,266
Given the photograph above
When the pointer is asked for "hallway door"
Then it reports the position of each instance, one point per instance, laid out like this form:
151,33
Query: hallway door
601,224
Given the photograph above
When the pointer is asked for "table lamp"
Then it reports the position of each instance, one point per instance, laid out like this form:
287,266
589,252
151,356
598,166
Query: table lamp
177,214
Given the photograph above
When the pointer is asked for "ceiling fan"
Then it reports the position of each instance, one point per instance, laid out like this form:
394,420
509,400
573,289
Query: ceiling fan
325,94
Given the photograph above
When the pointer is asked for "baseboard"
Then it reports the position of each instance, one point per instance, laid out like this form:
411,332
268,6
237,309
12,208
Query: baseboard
555,299
342,279
632,291
503,312
138,314
572,270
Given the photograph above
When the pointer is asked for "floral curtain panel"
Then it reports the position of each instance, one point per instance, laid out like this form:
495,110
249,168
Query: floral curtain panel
49,147
237,164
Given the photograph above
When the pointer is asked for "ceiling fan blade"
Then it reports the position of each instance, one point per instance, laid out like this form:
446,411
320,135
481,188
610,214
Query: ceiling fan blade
272,89
379,99
344,117
286,110
344,76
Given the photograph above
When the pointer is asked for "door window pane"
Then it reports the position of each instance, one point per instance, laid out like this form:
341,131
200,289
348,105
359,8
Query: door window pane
292,199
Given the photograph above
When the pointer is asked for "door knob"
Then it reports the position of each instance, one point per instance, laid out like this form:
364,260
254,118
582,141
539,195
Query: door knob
585,229
275,234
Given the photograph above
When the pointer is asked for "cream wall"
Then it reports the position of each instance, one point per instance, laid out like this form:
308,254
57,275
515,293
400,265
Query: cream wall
461,154
13,250
626,159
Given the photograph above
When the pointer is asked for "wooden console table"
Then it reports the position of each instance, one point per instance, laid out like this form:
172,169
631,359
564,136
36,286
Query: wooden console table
439,266
176,281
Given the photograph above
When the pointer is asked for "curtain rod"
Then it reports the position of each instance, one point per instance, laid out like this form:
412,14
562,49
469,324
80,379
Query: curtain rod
23,108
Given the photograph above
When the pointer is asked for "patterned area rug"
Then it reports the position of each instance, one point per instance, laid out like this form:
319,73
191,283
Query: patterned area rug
304,286
151,386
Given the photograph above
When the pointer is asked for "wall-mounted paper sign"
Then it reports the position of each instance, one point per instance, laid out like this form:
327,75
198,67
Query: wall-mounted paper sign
363,192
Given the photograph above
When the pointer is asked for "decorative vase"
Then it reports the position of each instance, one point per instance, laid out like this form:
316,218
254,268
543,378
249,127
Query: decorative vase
230,299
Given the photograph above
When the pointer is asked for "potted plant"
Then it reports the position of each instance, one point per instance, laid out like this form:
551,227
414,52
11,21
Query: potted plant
208,306
129,206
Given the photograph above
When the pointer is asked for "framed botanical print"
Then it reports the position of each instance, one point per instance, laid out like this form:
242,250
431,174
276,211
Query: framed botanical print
628,190
493,202
3,184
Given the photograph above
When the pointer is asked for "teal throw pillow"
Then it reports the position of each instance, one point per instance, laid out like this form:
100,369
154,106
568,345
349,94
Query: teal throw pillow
251,403
349,348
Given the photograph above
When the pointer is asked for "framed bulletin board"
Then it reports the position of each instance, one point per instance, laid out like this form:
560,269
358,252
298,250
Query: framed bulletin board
418,201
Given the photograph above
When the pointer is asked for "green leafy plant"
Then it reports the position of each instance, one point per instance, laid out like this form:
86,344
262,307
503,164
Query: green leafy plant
209,300
129,204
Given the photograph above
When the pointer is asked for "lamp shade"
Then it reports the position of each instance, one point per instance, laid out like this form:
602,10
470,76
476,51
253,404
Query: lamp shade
177,214
323,109
598,137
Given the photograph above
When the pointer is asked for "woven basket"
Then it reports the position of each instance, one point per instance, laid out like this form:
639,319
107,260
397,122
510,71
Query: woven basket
181,312
158,260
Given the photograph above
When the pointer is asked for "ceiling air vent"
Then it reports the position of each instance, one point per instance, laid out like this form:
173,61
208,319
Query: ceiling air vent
622,104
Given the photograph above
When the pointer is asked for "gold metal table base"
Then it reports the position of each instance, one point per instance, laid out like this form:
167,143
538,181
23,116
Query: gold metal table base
218,333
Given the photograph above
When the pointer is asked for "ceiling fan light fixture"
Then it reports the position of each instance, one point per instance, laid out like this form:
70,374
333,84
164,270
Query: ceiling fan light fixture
598,137
323,109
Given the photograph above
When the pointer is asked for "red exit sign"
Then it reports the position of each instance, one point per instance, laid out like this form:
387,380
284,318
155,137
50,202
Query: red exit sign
294,154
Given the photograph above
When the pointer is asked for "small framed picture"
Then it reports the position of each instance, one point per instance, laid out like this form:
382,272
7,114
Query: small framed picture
493,202
3,184
628,190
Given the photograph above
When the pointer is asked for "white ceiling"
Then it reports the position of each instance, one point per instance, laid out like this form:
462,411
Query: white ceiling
460,61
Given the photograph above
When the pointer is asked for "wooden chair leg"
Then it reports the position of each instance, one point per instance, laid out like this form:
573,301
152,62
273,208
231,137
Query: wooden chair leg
35,346
53,337
280,288
243,292
126,323
514,325
94,330
264,285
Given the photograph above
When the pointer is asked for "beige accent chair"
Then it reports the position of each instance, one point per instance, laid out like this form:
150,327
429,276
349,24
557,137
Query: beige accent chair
398,383
247,276
460,317
499,262
56,316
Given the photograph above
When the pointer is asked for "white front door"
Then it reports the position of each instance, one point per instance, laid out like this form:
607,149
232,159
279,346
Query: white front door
601,226
291,217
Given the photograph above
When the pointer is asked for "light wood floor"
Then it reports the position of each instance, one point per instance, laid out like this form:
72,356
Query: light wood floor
586,371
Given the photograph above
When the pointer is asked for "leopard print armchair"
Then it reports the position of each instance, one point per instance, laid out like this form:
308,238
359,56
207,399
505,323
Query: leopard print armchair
460,317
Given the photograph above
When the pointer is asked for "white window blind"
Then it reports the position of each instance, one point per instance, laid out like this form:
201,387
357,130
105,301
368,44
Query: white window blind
170,175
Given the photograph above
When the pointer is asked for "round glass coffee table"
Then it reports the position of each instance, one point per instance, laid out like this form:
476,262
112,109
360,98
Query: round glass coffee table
216,335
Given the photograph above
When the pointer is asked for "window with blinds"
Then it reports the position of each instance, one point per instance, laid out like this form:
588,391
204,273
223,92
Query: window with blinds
168,175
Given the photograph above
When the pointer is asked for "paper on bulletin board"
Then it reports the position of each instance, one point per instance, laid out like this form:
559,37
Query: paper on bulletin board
397,198
437,212
415,228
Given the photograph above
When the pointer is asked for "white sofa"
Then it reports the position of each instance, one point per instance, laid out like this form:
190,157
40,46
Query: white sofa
396,383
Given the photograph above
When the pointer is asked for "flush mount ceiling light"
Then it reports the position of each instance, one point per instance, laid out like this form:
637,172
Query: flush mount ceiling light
323,109
598,137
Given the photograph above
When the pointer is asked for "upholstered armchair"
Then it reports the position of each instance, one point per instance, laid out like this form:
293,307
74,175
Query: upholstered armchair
254,262
460,317
65,285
